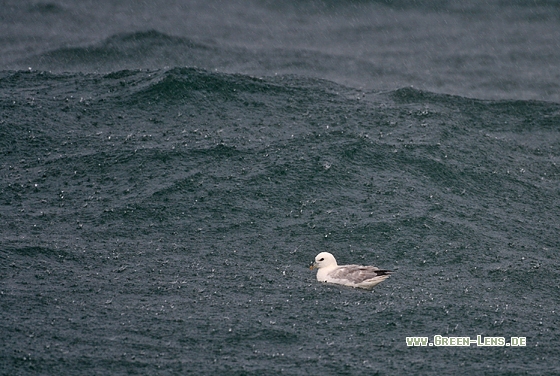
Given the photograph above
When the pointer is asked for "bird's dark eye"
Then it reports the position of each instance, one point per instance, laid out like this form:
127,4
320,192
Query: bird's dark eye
322,259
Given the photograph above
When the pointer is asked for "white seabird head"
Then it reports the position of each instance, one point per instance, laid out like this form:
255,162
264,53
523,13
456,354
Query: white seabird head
324,260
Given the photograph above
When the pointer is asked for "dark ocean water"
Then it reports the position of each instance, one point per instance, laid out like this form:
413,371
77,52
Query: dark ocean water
168,171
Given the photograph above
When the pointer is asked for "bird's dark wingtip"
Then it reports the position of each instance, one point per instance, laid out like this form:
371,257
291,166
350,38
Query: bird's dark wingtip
384,272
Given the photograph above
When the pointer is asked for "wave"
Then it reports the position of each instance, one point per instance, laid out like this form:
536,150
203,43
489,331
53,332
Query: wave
137,86
145,39
46,8
126,49
180,84
185,81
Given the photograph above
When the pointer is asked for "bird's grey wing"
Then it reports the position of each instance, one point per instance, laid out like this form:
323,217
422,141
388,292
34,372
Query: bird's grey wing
357,273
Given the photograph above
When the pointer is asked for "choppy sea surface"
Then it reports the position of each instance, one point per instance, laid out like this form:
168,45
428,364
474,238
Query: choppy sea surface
169,170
